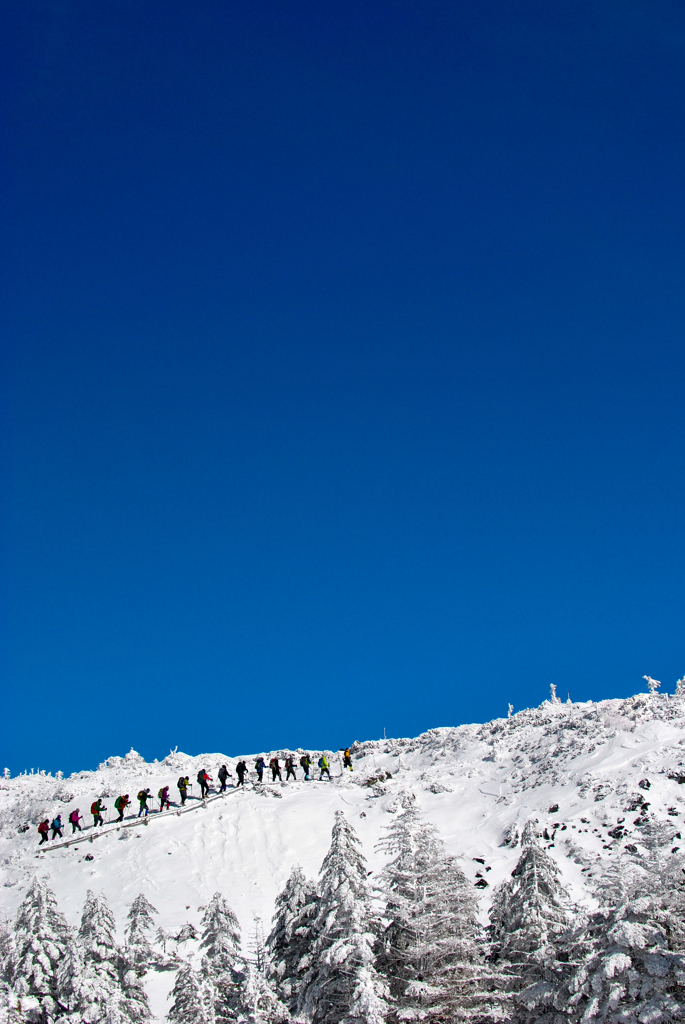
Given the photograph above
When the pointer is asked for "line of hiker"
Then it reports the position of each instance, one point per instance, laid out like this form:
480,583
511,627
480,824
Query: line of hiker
97,808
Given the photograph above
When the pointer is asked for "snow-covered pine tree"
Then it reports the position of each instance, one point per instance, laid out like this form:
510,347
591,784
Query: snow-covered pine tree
259,1003
633,966
289,942
528,917
342,985
162,937
192,999
99,985
652,684
414,847
109,990
221,945
42,941
7,952
139,951
431,948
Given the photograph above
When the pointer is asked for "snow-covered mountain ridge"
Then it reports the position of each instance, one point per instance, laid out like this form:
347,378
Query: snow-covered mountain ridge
602,780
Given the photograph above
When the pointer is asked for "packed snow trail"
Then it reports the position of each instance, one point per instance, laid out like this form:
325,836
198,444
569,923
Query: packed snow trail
92,832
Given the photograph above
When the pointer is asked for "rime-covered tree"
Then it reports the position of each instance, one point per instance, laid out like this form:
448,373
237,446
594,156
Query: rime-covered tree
192,999
430,948
290,939
259,1002
632,967
342,984
42,940
139,951
528,918
414,848
7,952
221,945
97,984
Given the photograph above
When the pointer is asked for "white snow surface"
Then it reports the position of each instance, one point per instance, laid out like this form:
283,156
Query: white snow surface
479,784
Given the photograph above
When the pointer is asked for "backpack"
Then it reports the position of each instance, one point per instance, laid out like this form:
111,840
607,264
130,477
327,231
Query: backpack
73,816
43,827
320,762
142,795
161,795
57,824
94,807
182,784
201,776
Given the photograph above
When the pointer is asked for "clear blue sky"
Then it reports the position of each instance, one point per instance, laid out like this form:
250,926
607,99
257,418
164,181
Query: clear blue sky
342,367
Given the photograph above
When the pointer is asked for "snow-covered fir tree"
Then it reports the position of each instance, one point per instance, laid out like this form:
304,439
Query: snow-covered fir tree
108,990
7,952
431,947
192,999
529,915
342,984
290,940
139,951
42,940
632,967
98,985
221,945
652,684
259,1002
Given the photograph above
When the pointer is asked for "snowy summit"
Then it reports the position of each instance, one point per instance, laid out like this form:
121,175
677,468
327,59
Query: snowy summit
529,868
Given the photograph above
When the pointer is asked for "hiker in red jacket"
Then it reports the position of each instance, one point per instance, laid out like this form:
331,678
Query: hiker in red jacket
204,779
43,830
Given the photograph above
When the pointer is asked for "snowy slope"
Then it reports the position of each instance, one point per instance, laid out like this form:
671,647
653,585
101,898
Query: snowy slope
478,784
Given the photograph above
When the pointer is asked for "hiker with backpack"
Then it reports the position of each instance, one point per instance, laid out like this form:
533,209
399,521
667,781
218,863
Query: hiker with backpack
204,779
43,830
120,805
323,765
275,770
223,774
260,765
241,771
143,796
74,819
347,760
163,796
56,827
96,809
305,764
290,768
183,784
